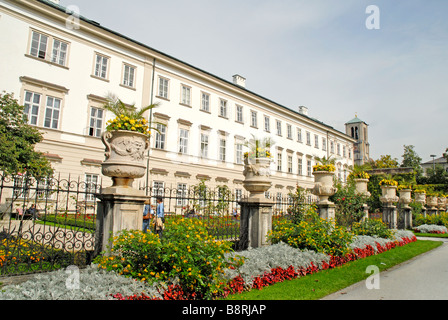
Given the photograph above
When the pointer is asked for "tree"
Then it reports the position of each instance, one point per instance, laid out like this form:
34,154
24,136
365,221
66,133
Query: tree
412,160
17,141
386,161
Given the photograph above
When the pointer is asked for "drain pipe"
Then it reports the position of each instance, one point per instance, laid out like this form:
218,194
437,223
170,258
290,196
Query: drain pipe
150,121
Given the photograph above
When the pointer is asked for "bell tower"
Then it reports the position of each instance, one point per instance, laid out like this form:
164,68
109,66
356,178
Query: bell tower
359,130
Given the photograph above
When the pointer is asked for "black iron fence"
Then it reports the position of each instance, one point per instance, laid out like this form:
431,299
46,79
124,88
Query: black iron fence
46,224
50,223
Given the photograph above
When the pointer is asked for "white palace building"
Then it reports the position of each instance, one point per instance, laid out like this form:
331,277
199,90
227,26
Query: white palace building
61,66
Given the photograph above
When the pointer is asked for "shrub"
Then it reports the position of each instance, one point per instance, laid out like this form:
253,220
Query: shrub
437,219
349,204
299,208
425,228
372,227
319,235
186,256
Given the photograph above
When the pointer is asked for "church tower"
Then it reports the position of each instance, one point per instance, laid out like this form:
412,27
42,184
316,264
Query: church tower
358,130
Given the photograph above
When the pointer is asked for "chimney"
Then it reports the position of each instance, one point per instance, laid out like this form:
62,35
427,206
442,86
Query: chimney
239,80
303,110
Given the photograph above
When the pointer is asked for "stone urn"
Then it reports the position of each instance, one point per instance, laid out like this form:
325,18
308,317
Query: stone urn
361,186
405,197
256,176
431,202
389,194
323,186
442,203
125,156
420,197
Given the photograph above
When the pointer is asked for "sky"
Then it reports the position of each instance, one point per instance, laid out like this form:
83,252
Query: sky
338,58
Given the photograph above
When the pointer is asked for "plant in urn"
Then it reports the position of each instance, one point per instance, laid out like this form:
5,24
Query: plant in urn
324,173
389,191
257,167
127,141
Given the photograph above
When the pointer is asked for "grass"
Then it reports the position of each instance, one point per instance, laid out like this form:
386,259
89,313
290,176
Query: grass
432,235
323,283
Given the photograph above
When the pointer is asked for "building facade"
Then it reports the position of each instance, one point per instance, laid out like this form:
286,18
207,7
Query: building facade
61,66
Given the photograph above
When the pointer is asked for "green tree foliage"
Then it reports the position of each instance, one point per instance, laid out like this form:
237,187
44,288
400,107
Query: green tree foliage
411,160
386,161
17,141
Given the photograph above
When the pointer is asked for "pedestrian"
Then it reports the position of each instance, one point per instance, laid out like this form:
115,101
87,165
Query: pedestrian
148,212
235,213
32,211
159,224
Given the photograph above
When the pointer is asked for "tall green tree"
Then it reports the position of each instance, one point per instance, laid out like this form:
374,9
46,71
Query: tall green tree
412,160
17,141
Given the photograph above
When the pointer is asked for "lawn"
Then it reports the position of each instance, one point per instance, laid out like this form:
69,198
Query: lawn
323,283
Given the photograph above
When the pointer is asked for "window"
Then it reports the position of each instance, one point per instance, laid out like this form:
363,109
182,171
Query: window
59,55
223,108
204,145
239,153
253,119
308,138
299,135
332,147
183,141
222,149
238,196
128,76
181,195
96,122
344,151
160,136
308,168
279,128
289,164
239,114
101,65
39,44
267,124
157,190
324,144
205,102
299,166
338,146
32,104
91,186
163,88
48,48
43,107
52,113
279,161
186,96
316,141
288,131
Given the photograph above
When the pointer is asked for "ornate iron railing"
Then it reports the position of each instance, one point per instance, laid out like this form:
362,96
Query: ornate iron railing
46,224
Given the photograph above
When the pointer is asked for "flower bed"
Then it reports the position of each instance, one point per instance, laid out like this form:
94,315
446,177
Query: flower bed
263,267
268,265
425,228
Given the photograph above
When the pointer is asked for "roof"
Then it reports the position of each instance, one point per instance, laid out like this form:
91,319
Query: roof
438,160
355,120
98,25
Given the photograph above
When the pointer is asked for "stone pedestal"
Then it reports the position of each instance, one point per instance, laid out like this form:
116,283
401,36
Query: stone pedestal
390,216
327,211
405,218
256,222
121,208
366,212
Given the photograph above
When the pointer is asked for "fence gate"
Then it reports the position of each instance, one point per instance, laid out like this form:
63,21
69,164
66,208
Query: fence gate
46,224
